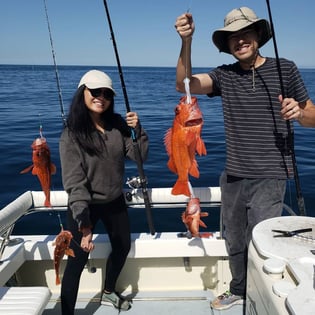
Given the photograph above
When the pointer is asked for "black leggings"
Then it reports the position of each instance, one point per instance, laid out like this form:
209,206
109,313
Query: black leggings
114,216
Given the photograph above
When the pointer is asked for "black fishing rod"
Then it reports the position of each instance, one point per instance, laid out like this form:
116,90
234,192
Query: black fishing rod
290,142
56,68
139,161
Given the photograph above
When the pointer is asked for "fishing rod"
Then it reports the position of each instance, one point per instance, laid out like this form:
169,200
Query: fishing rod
139,161
56,68
290,142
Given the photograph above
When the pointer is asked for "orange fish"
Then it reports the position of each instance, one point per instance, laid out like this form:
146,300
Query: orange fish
62,243
191,218
182,141
42,166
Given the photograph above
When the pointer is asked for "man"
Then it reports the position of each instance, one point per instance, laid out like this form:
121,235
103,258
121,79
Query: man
256,115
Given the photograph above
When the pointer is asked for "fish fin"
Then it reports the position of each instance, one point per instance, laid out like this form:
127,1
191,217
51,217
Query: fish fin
200,147
27,169
35,171
190,138
53,168
181,188
168,141
204,214
171,165
201,223
69,252
193,171
186,218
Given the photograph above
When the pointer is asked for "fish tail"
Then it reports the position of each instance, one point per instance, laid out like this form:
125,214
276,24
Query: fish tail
57,271
57,279
47,203
181,188
47,198
205,234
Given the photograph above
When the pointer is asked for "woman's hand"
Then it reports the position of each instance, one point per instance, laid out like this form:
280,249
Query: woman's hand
86,242
132,119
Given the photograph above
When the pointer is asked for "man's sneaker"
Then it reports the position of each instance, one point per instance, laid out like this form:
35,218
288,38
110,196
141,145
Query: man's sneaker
226,300
113,299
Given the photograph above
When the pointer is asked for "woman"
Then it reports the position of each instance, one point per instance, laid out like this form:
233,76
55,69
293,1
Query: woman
93,148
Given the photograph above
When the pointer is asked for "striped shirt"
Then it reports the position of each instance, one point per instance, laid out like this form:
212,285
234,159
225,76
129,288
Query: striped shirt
256,134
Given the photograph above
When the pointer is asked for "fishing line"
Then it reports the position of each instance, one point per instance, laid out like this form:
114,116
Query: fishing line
41,128
60,222
56,68
290,141
139,161
63,117
187,80
189,5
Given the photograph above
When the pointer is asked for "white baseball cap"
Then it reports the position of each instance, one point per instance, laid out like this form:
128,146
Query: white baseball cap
95,79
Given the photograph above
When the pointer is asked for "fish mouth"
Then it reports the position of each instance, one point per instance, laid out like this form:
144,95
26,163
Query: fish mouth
193,122
191,212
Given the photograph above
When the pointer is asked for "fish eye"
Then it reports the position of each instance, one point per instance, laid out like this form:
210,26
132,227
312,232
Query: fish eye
177,109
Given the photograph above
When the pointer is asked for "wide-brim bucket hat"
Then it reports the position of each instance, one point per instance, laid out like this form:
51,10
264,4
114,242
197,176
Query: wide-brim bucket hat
236,20
95,79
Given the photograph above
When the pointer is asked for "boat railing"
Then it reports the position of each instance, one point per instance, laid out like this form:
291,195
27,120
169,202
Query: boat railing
11,214
33,201
159,198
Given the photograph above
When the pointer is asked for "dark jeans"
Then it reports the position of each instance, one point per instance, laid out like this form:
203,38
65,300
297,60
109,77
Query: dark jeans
114,216
246,202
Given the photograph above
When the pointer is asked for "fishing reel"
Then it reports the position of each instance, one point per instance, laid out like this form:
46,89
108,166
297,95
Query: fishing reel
134,183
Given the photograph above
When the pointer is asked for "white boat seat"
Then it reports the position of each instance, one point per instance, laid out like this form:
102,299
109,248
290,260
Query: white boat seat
23,300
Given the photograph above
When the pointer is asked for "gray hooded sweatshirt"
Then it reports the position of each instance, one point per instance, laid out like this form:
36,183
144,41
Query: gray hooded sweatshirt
97,178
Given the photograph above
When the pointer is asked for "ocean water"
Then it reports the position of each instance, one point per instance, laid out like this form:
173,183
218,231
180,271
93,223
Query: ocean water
29,99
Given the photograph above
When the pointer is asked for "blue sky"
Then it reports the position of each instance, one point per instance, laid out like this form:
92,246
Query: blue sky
144,31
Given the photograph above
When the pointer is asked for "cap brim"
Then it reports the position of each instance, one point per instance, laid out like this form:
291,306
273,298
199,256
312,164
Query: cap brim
92,85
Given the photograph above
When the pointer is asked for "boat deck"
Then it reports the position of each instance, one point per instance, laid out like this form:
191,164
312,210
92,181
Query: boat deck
155,303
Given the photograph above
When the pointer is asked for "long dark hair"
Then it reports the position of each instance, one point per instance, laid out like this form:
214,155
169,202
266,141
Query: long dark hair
81,126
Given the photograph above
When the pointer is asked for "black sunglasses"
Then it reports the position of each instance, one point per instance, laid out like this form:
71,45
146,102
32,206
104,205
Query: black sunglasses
106,93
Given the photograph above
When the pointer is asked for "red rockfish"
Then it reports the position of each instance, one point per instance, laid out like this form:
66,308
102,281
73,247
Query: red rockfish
42,166
182,141
191,217
62,243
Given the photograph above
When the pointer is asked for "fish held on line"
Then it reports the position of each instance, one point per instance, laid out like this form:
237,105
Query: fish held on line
191,217
62,243
42,166
182,142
